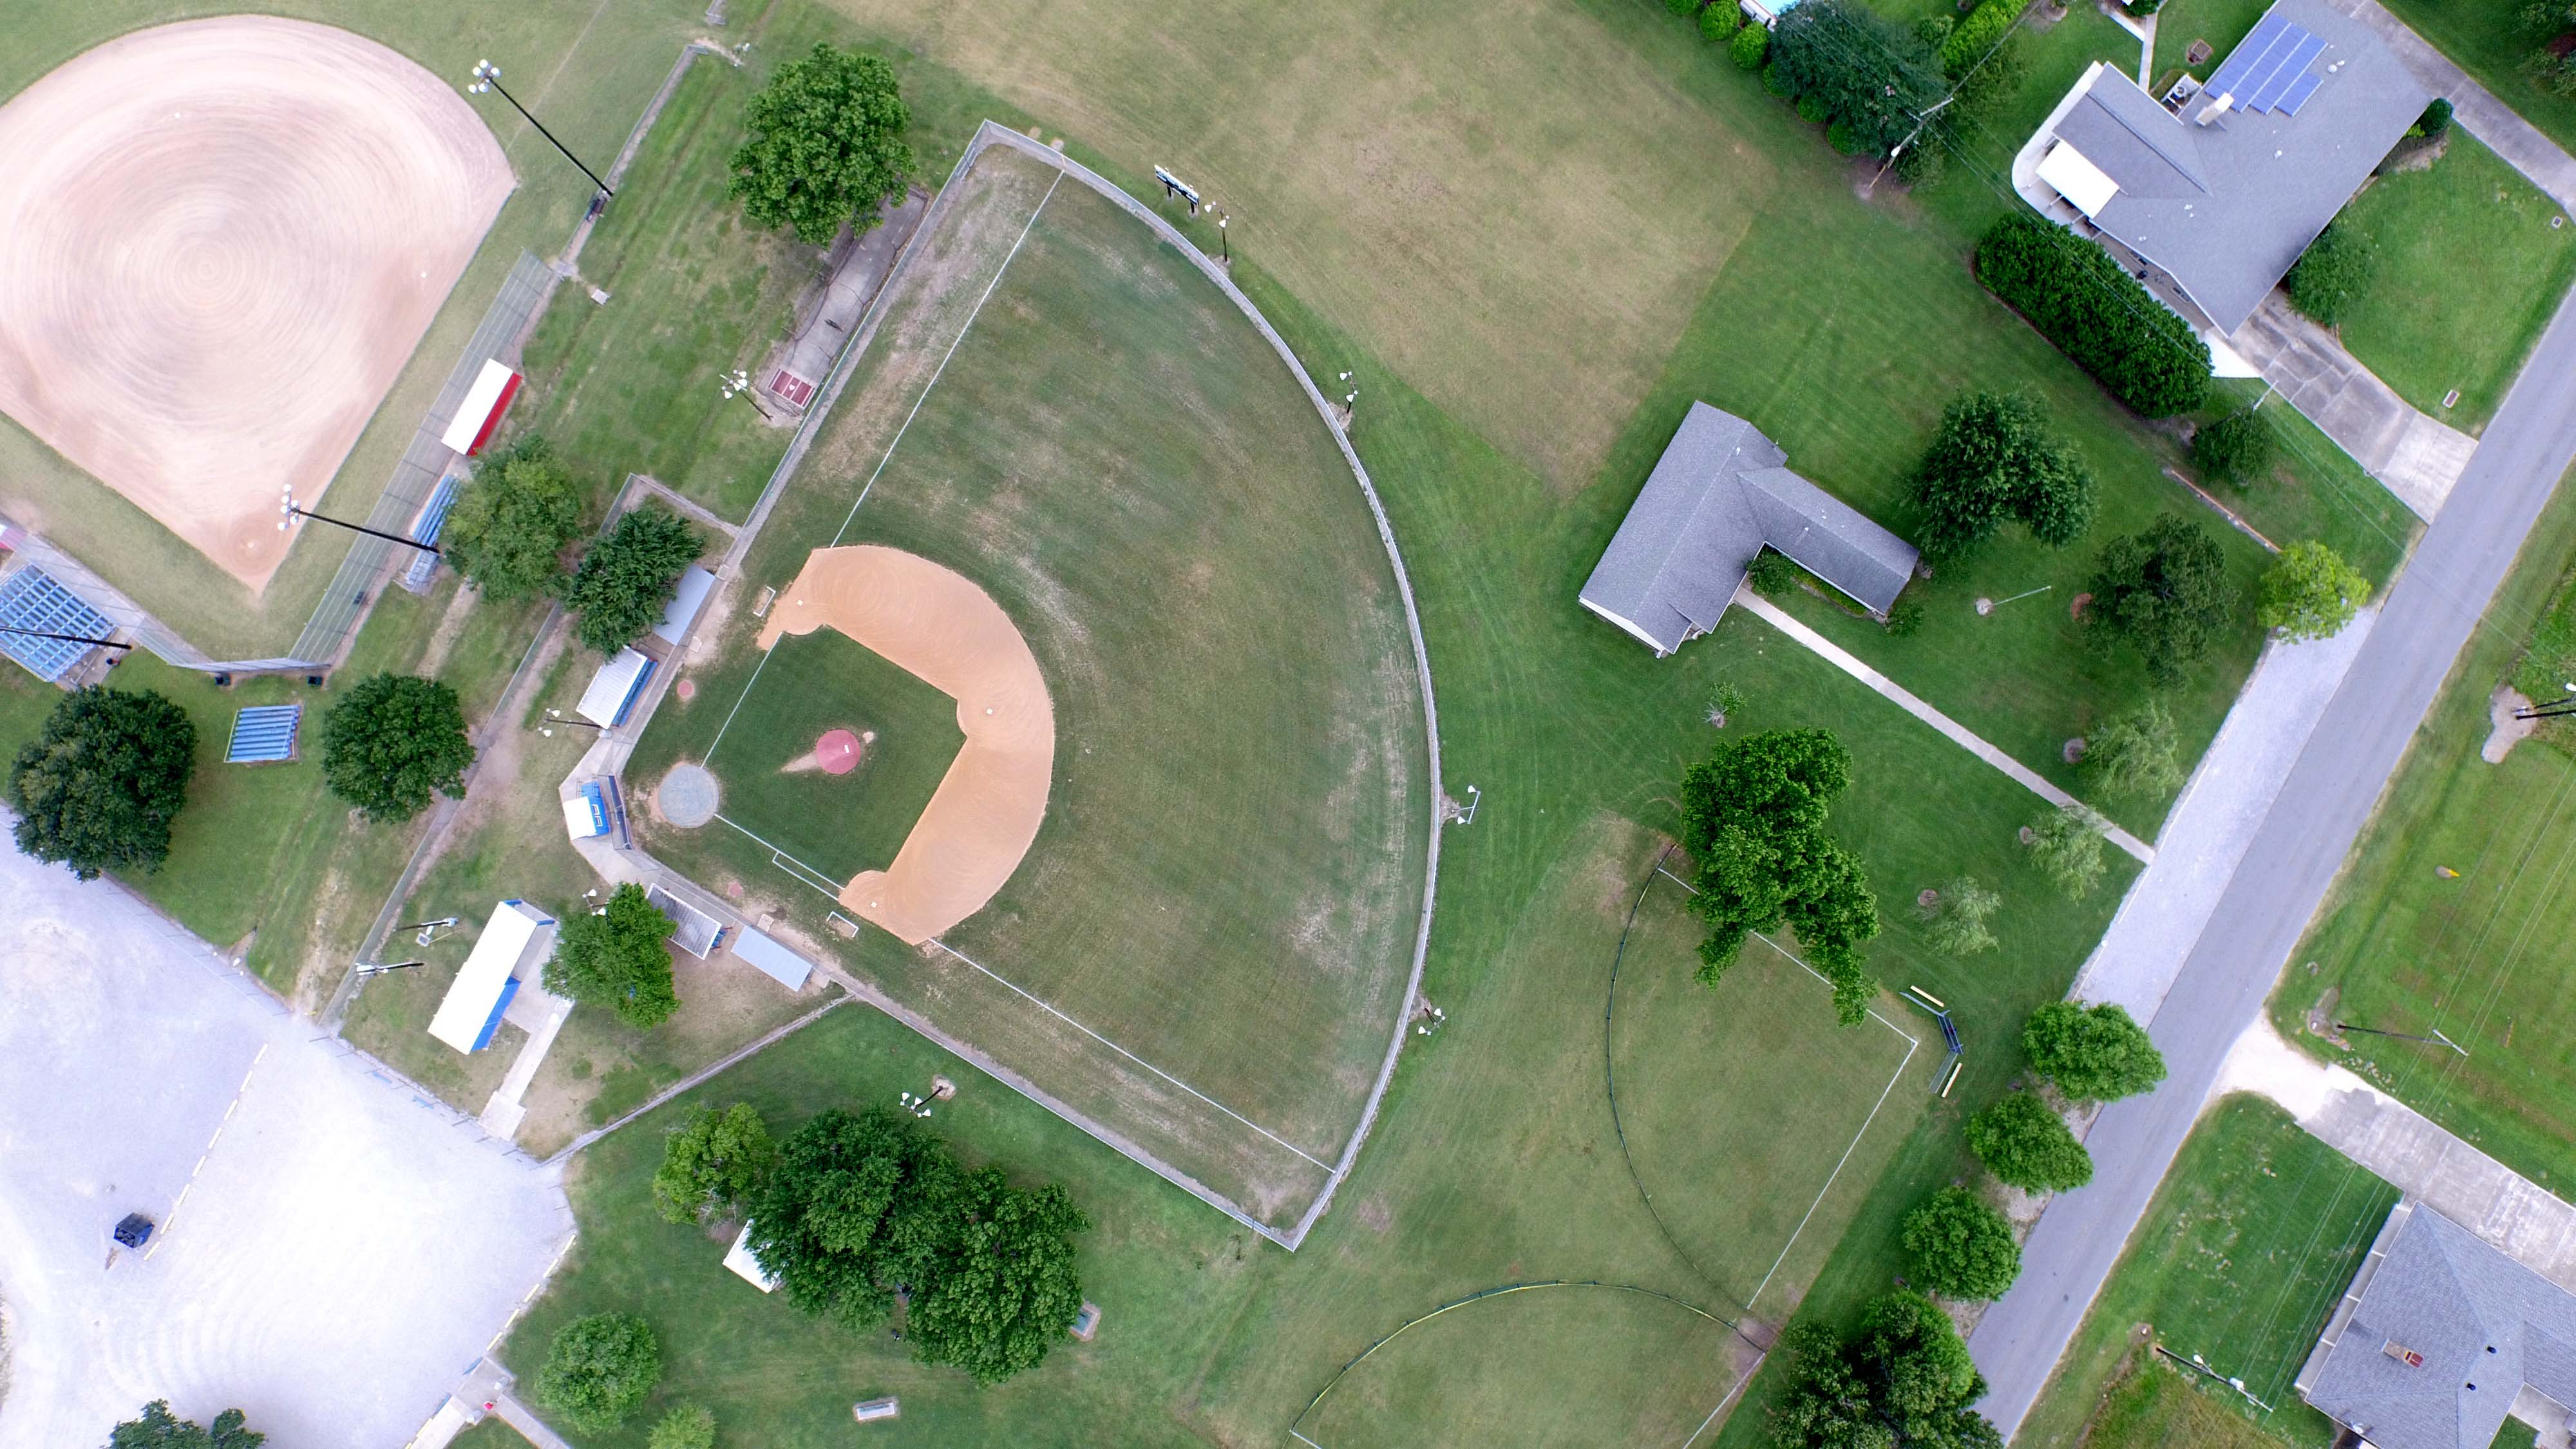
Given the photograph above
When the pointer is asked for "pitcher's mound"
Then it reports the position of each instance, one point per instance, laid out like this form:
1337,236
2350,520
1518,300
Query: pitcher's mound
837,752
687,796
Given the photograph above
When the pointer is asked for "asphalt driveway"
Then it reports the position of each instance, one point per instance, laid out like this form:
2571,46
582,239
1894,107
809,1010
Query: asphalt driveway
343,1250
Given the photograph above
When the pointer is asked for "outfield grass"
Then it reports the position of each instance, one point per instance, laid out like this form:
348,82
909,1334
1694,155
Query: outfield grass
2253,1237
1116,456
839,825
2477,956
2470,271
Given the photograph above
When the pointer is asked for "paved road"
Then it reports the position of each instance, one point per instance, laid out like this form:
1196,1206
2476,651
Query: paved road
2304,839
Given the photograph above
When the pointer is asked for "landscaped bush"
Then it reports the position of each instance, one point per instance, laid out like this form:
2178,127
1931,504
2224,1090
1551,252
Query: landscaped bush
2436,120
2143,8
1866,71
1811,109
1772,572
1683,8
1905,617
2025,1145
2234,449
2093,1053
2332,274
1958,1247
1774,79
2097,314
1971,38
1922,163
1721,20
1934,29
1750,46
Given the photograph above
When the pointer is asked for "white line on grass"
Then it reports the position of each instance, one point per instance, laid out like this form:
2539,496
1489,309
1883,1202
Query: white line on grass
1740,1381
1140,1061
1910,1050
708,759
831,896
1793,956
951,352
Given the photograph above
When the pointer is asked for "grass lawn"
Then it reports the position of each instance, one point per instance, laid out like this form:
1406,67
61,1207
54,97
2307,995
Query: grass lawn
490,1434
1118,457
2470,271
2477,955
836,824
2254,1235
2490,44
695,291
2155,1405
2220,22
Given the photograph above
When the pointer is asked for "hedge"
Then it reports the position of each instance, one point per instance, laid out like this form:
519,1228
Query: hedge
1973,37
2097,314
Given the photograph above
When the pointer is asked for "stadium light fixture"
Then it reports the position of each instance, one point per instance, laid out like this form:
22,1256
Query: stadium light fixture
737,383
487,77
291,511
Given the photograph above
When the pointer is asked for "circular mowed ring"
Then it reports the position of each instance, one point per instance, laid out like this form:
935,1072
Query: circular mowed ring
687,796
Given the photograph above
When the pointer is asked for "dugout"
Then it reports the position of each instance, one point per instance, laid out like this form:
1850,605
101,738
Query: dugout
613,689
518,938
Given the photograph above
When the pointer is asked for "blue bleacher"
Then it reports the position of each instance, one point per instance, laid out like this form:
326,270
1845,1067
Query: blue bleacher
433,517
263,734
30,599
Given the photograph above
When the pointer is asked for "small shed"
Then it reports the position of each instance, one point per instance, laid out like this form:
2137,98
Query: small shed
694,586
774,960
518,937
869,1411
586,811
739,1261
613,689
264,734
694,931
480,411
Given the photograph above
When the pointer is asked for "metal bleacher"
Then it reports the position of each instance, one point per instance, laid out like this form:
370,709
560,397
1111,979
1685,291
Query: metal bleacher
433,517
264,734
30,599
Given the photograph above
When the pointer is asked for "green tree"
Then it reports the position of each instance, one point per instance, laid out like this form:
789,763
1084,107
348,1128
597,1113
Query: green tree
392,742
2025,1145
599,1370
1957,921
2137,755
1905,1383
2234,449
1753,818
1007,1287
158,1428
2332,274
1873,75
626,578
1995,458
507,530
1721,20
1958,1247
2093,1053
97,789
826,145
2066,845
712,1162
1686,9
1750,48
818,1222
2164,592
616,955
2310,592
689,1426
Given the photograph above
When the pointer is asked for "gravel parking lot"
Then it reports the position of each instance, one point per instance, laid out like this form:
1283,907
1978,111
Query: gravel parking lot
334,1251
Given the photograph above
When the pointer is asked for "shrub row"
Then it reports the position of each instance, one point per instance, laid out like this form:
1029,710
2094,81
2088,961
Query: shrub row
2097,314
1969,41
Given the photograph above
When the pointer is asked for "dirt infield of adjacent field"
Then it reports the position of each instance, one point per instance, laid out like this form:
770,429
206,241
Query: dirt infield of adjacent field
219,242
935,623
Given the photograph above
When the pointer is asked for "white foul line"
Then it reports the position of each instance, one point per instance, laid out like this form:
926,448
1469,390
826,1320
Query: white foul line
1140,1061
181,1201
1837,1172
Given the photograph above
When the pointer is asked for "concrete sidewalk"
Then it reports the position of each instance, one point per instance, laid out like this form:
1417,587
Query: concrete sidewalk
2213,823
2476,108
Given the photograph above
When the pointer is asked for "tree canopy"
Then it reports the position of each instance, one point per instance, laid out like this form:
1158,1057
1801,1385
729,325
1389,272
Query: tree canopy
2234,449
1958,1247
1957,920
826,145
2164,592
626,578
712,1162
2137,754
507,530
2093,1053
2025,1145
2310,592
1906,1382
97,789
599,1370
1995,458
1875,77
862,1205
1753,817
615,955
392,742
158,1428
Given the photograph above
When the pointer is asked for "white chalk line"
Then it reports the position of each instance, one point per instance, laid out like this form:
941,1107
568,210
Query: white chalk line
832,896
181,1200
1140,1061
1740,1381
1793,956
708,760
953,345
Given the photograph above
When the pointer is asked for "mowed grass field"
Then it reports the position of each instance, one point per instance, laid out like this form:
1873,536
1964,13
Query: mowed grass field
2253,1237
1226,890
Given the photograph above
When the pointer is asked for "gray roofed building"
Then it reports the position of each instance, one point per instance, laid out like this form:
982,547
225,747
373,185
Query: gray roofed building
1717,495
2224,191
2437,1338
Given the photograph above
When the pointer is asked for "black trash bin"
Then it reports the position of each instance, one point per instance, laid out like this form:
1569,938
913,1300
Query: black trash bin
134,1230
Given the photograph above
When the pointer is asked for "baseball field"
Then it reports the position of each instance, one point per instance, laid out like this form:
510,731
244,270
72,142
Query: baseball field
1205,945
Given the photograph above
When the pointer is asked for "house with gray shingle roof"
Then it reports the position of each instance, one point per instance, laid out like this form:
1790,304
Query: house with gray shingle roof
2438,1337
1718,494
2220,188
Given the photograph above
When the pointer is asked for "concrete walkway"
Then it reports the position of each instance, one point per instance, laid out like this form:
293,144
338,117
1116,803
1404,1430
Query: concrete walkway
2412,1153
859,265
2476,108
2215,820
1905,699
541,1014
2414,456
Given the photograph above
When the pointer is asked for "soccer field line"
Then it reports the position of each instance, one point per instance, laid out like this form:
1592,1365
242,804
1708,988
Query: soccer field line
1140,1061
1793,956
954,343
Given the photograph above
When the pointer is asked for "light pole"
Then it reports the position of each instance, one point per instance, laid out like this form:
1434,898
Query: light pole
66,638
737,383
1225,254
487,77
560,718
287,505
2553,709
364,970
428,929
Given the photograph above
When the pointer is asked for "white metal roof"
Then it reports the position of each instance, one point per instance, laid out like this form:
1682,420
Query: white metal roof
476,409
781,964
695,585
498,953
739,1259
584,818
2077,179
611,687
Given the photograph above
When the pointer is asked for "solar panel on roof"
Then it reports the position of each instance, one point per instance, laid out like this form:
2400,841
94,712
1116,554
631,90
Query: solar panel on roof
264,733
2299,93
30,599
2240,60
2288,73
